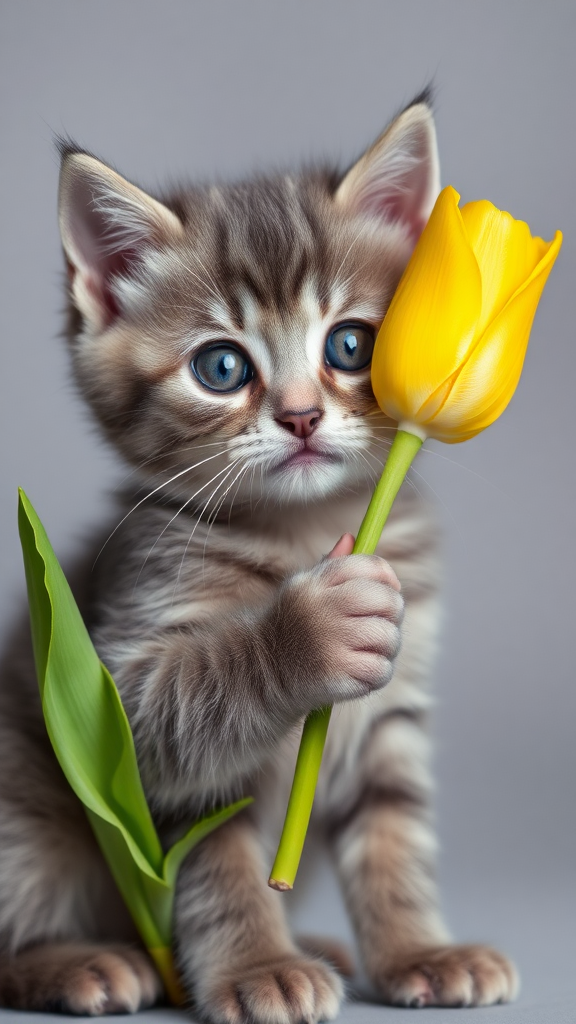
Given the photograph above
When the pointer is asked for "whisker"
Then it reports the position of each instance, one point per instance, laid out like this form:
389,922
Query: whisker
198,519
346,255
206,284
436,495
175,516
252,484
344,283
373,475
454,462
381,444
199,310
204,268
162,453
214,515
166,483
377,458
384,442
467,469
413,486
260,465
234,496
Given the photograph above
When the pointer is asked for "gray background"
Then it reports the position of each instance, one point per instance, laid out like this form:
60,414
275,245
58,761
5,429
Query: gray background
174,88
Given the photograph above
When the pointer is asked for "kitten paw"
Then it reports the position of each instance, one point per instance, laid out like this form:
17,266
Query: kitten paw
339,624
450,976
79,979
287,991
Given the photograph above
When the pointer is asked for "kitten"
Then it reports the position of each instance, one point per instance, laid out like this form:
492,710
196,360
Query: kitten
222,337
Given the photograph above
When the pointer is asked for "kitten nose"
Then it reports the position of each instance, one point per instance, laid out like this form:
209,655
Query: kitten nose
301,424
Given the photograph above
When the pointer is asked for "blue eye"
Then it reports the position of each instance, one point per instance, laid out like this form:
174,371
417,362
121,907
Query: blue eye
222,367
349,346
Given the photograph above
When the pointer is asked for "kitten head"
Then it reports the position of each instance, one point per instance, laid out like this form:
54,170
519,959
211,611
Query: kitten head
223,335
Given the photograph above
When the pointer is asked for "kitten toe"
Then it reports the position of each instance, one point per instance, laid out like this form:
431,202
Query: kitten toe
450,976
82,980
287,991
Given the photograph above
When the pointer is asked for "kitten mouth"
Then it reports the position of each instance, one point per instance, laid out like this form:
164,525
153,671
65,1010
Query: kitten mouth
306,457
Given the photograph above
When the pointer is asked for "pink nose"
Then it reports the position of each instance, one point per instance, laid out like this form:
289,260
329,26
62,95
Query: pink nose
301,424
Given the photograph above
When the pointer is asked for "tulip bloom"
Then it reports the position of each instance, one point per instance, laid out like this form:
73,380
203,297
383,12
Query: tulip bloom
450,351
446,363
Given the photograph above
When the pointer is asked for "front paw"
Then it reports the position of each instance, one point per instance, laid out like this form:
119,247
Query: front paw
339,628
450,976
284,991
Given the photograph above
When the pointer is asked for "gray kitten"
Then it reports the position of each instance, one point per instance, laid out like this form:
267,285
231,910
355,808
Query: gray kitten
222,337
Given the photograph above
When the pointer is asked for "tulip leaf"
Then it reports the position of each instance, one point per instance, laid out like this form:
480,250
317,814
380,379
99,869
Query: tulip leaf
86,721
199,831
91,736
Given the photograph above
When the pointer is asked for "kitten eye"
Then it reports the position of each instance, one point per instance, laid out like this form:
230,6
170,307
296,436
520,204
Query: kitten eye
349,346
222,367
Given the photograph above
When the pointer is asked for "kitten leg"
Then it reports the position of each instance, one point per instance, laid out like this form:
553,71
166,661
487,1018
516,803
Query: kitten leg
81,978
56,897
235,953
385,847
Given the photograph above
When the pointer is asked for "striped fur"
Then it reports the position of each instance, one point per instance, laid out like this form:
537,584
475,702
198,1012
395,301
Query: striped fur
218,615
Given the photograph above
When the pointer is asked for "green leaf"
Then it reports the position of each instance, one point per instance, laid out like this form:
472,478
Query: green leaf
84,715
92,739
199,831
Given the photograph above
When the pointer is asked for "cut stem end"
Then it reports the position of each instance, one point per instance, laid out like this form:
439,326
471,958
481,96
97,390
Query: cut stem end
279,885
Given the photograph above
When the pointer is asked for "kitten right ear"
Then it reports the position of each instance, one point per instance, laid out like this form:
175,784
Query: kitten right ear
398,179
106,225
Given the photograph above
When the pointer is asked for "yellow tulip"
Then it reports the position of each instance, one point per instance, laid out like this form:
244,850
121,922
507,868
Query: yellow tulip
450,352
446,363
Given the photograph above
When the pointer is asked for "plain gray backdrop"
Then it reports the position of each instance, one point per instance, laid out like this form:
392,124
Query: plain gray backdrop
184,88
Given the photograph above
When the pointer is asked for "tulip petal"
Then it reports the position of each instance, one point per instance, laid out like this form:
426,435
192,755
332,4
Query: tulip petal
482,389
430,326
506,254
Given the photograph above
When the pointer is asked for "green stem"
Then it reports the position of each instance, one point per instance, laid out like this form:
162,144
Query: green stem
301,800
403,450
162,957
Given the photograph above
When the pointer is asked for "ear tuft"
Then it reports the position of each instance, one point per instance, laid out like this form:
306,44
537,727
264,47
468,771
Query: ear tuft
66,146
425,98
106,225
398,178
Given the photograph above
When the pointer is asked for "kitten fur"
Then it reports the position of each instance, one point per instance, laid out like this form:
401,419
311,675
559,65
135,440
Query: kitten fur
217,612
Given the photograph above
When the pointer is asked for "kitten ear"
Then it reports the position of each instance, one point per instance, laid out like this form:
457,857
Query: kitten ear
398,178
106,225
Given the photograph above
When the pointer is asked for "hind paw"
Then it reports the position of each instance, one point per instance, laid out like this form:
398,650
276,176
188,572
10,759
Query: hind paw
450,976
80,979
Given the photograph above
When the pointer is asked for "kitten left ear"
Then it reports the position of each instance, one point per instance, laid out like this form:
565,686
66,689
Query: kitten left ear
107,225
398,178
